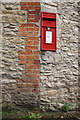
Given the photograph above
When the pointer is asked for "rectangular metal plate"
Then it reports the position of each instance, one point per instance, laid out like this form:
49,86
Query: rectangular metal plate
49,37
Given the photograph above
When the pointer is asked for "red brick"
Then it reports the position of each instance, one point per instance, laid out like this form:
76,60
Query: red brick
35,33
23,7
37,17
29,43
35,76
33,16
20,85
31,47
34,8
35,80
22,62
36,71
23,29
35,90
37,8
32,71
25,34
23,3
36,61
27,25
33,3
36,52
21,57
29,85
30,34
32,38
22,34
36,43
27,80
33,29
34,12
32,66
29,52
32,43
31,57
29,71
25,90
21,52
19,81
32,20
30,8
29,62
36,85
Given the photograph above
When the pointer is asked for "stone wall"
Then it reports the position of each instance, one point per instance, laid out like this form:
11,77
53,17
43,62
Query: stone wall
58,71
79,50
11,44
19,55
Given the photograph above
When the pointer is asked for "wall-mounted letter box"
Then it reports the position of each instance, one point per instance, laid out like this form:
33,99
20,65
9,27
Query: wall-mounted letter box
48,31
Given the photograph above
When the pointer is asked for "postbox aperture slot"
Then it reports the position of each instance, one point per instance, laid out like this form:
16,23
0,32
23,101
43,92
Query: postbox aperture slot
49,19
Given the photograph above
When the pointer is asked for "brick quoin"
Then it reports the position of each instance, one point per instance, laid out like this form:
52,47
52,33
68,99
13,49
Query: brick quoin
30,57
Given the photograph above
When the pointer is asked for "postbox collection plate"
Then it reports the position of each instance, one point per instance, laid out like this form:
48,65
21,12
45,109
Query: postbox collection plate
49,37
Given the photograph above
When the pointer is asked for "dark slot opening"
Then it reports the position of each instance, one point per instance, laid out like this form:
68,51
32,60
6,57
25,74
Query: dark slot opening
49,19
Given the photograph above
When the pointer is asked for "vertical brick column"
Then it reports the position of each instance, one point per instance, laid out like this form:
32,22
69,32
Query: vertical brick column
30,57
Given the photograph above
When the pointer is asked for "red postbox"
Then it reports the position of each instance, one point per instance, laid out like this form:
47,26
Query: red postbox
48,31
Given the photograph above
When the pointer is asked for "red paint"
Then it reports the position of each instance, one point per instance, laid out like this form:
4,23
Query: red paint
48,20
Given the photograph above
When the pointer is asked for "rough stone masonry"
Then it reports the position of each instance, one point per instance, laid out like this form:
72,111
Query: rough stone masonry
31,78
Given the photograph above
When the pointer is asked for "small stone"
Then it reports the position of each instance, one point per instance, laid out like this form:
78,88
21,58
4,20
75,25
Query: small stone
7,97
69,53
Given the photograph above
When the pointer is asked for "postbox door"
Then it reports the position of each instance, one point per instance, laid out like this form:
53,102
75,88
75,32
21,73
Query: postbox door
48,37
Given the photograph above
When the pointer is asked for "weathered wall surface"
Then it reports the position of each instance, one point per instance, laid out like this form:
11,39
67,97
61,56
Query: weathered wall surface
20,64
58,71
11,44
79,51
